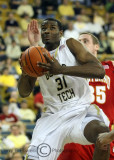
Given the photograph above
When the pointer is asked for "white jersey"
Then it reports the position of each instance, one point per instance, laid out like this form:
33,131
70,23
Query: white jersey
62,91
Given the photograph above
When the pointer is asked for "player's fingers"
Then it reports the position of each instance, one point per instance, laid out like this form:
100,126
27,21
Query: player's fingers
36,24
54,59
46,72
31,25
43,65
33,22
48,59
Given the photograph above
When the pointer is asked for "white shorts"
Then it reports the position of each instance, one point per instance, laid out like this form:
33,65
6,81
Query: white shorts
53,131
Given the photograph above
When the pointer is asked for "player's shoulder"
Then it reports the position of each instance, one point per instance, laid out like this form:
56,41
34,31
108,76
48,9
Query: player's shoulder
73,44
71,40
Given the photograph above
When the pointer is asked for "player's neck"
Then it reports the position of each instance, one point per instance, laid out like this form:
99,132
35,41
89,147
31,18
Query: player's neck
51,47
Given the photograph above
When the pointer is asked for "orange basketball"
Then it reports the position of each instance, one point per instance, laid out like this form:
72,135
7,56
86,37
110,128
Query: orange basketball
29,60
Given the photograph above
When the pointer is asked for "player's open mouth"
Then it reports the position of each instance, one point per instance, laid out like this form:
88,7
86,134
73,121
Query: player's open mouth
47,38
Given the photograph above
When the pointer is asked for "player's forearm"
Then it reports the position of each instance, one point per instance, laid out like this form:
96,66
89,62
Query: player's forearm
85,71
26,85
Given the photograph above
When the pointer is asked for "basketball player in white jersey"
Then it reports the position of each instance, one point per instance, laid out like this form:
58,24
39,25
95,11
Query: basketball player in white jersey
69,116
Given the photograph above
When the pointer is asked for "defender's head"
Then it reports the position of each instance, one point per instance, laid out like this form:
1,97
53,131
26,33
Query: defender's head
90,41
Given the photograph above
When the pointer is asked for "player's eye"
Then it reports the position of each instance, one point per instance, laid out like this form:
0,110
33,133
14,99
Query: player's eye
85,41
52,28
43,29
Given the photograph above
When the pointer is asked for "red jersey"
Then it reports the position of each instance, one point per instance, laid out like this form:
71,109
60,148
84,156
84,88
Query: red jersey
103,91
38,98
9,118
103,96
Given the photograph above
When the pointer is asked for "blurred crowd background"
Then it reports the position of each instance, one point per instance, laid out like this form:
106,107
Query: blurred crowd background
18,115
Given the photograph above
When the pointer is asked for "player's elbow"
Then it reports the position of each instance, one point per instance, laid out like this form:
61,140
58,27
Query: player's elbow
23,95
101,72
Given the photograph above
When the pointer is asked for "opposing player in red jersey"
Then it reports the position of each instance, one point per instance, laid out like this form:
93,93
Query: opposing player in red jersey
103,96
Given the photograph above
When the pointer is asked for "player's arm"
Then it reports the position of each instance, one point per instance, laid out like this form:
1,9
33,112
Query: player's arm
26,83
89,67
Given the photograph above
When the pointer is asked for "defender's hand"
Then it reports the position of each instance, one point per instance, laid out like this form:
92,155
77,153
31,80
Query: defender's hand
33,33
103,140
53,66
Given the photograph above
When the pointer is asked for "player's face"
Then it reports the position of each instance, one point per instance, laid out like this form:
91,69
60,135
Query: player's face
87,41
50,32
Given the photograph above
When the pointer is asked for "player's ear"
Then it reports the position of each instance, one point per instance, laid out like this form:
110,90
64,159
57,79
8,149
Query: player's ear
97,47
61,33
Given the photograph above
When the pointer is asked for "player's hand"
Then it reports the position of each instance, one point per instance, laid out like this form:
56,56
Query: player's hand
53,66
103,140
33,33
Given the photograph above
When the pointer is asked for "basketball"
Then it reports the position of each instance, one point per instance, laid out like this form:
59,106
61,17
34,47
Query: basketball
29,59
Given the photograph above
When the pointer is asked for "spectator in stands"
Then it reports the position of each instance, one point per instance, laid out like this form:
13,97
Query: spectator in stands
80,1
97,19
11,23
25,8
16,139
84,16
14,4
49,5
2,44
65,9
6,118
110,35
64,22
14,94
25,148
110,6
77,8
26,112
2,49
71,32
9,64
104,45
106,26
13,50
79,25
24,42
14,67
38,8
7,80
11,35
22,127
94,28
13,154
17,156
13,108
1,31
24,22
